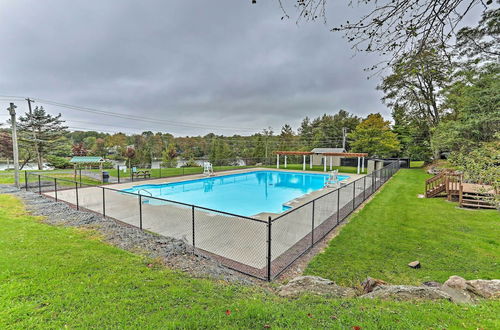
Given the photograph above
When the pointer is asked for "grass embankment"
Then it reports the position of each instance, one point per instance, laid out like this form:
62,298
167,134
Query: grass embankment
55,277
416,163
396,228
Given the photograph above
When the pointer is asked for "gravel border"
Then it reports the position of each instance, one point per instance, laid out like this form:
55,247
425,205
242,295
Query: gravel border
172,252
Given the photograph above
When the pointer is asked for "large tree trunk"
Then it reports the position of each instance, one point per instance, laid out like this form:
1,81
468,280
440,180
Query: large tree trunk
437,154
38,157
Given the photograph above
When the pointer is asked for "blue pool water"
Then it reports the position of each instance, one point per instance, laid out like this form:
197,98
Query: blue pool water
243,194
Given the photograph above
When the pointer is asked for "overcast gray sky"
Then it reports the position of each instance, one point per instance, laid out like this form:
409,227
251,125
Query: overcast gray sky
196,66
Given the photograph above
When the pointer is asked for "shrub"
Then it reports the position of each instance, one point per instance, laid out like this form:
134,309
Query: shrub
58,162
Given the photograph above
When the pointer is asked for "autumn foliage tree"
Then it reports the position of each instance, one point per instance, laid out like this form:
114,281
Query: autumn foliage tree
5,145
129,154
169,156
374,136
79,150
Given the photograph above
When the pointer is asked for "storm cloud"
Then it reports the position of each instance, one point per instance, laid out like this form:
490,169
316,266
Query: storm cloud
196,66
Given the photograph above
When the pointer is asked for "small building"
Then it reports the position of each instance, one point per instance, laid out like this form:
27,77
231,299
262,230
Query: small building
82,161
318,156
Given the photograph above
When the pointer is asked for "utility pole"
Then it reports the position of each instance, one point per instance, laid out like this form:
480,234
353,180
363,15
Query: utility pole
12,111
344,136
38,158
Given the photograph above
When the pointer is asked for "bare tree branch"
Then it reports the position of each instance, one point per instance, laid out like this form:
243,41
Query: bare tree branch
394,27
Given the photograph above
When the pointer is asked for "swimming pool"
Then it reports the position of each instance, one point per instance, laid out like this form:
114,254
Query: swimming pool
244,194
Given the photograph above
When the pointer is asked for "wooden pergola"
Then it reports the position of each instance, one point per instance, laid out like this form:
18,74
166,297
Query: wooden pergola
85,160
360,155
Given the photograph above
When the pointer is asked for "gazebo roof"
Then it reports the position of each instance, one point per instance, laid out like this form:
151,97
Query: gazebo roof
327,150
86,159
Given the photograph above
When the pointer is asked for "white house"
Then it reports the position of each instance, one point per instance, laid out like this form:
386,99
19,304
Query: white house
318,158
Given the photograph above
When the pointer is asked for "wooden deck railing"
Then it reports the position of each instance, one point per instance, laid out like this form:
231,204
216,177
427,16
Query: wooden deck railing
435,185
453,184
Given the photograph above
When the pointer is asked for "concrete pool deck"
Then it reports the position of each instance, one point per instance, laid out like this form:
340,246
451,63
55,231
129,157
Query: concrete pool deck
235,238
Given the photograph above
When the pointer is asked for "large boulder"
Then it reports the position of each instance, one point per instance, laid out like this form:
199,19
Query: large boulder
407,292
458,296
489,289
371,283
314,285
456,282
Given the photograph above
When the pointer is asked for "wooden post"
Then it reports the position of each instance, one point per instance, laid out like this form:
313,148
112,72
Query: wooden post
362,164
358,165
460,193
277,161
324,163
304,163
285,161
15,150
310,161
331,163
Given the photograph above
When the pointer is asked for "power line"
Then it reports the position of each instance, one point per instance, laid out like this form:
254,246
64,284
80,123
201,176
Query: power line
140,118
133,117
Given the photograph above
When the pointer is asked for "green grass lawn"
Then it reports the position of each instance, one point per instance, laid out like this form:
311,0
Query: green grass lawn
166,172
396,228
416,163
56,277
8,178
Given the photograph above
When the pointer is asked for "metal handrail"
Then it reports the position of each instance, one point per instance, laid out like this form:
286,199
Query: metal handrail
150,194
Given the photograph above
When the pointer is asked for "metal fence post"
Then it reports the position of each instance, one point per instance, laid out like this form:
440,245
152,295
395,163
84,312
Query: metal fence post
269,222
192,217
160,171
77,203
103,202
26,180
39,185
364,187
118,172
338,206
312,220
353,195
140,211
55,188
373,182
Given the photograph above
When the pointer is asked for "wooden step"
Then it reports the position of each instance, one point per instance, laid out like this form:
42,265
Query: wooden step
477,200
483,206
474,200
436,190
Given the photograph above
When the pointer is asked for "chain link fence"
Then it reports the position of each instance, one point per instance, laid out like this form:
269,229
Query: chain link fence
262,248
